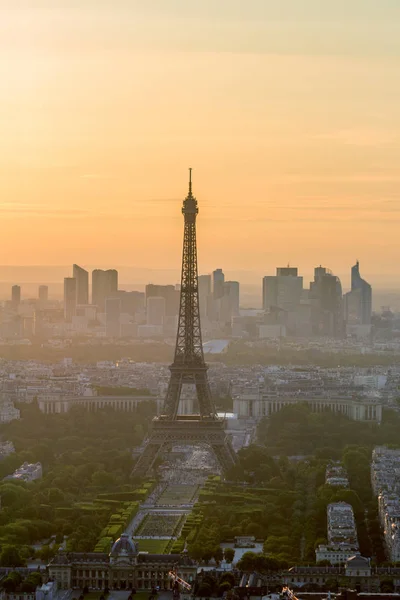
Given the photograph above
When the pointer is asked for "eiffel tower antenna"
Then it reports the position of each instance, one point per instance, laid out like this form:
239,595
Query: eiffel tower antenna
188,367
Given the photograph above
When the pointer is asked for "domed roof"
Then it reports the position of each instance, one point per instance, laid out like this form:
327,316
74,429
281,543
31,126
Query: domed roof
124,546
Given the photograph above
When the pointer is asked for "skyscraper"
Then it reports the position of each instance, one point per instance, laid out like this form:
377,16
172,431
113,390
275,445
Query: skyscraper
43,293
232,290
170,295
282,290
113,314
82,284
155,310
326,298
104,285
218,283
15,295
204,293
69,298
358,283
131,302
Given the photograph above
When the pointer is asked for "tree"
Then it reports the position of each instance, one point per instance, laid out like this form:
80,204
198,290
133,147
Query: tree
55,496
246,563
46,553
204,590
103,479
10,557
223,587
229,577
218,554
35,578
229,554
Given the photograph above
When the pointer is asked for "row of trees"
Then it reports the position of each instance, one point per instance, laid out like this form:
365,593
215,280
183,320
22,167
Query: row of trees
284,501
295,430
83,454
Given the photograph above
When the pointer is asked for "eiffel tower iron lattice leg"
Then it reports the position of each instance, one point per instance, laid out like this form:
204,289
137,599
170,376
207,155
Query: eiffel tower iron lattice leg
188,367
188,431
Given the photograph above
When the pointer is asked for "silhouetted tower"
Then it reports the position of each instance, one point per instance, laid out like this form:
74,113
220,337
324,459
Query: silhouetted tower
188,368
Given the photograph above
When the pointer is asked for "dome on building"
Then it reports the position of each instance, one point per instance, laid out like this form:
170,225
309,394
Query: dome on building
125,546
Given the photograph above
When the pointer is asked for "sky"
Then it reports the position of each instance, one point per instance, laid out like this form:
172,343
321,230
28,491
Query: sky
287,111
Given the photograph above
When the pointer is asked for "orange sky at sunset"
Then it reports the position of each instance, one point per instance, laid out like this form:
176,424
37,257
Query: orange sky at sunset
289,116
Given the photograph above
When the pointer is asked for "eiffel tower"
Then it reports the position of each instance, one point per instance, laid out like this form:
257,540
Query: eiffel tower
188,367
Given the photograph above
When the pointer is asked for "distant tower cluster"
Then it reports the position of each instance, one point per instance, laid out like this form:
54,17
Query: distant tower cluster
321,310
219,300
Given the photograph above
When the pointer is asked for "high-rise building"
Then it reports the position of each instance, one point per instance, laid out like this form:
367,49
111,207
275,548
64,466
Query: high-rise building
204,284
326,299
282,290
358,301
16,295
170,295
113,317
156,310
232,290
82,284
43,293
218,283
104,285
69,298
131,302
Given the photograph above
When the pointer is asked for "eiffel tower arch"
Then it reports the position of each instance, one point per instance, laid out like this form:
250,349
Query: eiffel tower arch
188,367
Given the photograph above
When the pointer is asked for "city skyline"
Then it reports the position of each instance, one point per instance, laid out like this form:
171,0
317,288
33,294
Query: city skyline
290,162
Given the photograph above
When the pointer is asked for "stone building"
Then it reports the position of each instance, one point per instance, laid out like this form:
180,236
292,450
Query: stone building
123,568
357,573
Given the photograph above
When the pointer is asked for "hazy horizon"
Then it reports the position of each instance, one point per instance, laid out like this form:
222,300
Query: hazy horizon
135,278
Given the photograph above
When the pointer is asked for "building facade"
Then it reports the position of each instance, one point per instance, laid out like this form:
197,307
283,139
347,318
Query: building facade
358,302
124,568
113,317
218,283
256,405
282,290
104,285
69,298
82,284
16,295
59,403
156,310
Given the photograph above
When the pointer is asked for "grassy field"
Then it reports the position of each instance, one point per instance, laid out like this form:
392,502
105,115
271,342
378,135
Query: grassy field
153,546
177,494
159,525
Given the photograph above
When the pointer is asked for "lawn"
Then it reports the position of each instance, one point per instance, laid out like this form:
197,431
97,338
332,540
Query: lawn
153,546
177,494
159,525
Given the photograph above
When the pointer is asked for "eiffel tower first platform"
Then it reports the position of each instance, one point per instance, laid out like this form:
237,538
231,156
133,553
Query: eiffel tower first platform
188,367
